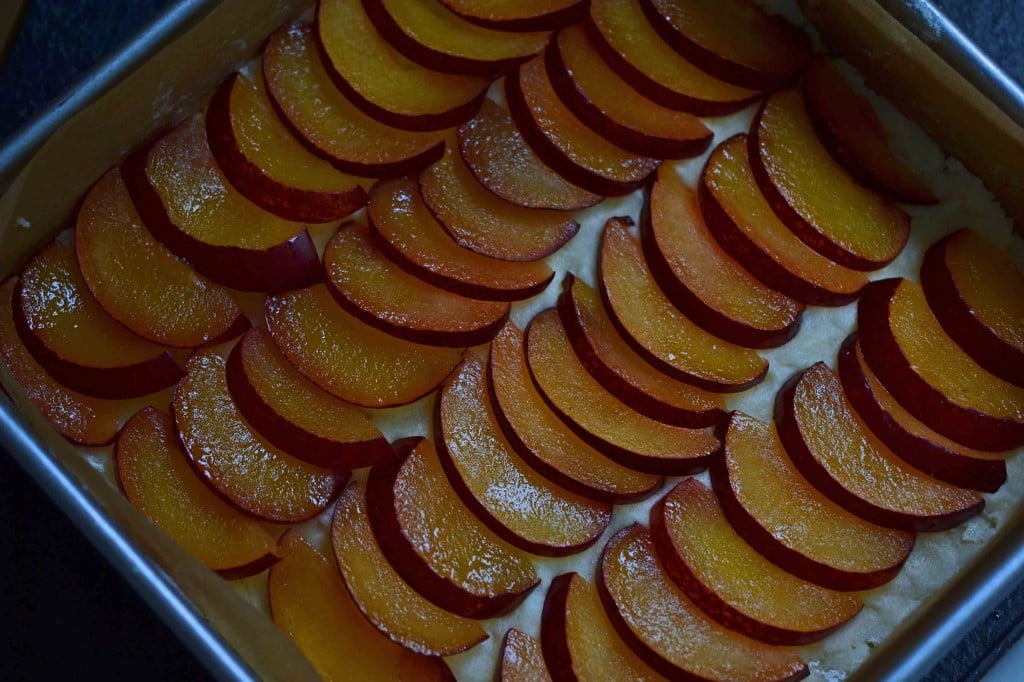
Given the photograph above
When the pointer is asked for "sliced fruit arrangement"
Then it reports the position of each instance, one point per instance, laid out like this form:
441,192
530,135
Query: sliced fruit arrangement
930,375
704,282
623,373
350,359
602,420
780,514
907,436
475,454
189,207
156,477
578,640
249,472
632,47
494,150
381,294
543,440
383,597
80,418
408,234
840,456
560,140
296,415
746,227
431,35
974,291
267,165
381,81
733,584
657,330
70,335
481,221
436,543
734,40
310,603
139,282
597,96
667,630
327,123
521,659
816,197
518,15
850,129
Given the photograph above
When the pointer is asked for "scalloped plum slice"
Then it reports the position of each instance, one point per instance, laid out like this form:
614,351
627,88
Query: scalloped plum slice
659,331
70,335
371,287
543,440
156,477
350,359
518,15
436,543
526,509
521,659
602,420
481,221
840,456
408,234
386,600
327,123
296,415
382,82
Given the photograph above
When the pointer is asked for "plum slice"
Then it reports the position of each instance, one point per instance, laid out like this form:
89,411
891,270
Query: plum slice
540,437
774,508
382,82
849,127
140,283
327,123
436,544
734,40
658,330
518,15
703,281
267,165
746,227
907,436
602,420
408,234
559,139
816,197
618,368
498,156
974,291
310,603
481,221
521,659
371,287
296,415
431,35
930,375
595,94
840,456
70,335
383,597
475,454
350,359
731,582
632,47
578,640
156,477
250,473
80,418
189,207
668,631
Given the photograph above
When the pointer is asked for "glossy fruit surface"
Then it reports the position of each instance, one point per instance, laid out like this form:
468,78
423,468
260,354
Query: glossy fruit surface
518,15
521,659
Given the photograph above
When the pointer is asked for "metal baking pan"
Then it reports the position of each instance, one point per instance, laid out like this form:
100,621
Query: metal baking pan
908,654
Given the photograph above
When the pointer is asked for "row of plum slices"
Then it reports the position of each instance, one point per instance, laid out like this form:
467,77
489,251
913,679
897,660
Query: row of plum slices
233,217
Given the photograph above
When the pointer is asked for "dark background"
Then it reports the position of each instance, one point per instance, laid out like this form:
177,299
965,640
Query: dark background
67,612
